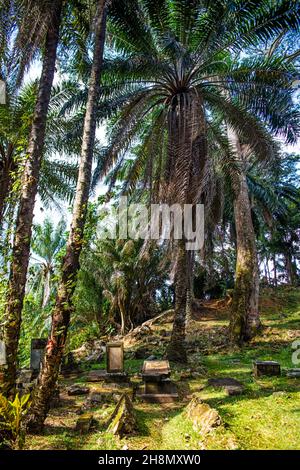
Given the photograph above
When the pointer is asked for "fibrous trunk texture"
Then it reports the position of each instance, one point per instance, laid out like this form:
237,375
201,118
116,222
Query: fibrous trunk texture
186,154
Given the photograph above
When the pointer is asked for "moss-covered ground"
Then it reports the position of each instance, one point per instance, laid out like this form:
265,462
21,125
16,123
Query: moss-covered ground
265,416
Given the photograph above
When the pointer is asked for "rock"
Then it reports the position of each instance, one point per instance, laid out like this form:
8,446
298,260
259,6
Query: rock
203,417
269,368
77,390
293,373
90,352
84,423
122,421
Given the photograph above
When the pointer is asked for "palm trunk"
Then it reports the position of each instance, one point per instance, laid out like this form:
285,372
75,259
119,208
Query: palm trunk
176,349
22,238
245,321
187,148
63,307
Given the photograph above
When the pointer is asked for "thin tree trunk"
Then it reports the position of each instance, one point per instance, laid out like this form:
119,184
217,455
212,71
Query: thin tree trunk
46,293
22,238
5,185
275,271
245,321
63,307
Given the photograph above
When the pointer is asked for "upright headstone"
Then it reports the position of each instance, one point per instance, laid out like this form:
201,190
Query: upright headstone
115,358
2,353
37,352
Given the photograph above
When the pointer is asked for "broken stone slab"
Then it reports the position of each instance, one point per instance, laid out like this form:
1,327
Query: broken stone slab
204,418
269,368
122,421
293,373
230,385
77,390
84,423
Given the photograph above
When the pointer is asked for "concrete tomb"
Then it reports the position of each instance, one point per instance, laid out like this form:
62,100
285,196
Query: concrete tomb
269,368
157,387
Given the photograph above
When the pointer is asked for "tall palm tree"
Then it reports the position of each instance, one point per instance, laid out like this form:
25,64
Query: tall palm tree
22,236
173,70
63,306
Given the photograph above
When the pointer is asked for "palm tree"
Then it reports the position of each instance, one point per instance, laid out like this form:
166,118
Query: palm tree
22,237
63,306
173,70
47,242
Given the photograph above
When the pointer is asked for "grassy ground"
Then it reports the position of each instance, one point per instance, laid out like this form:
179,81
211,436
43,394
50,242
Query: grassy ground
265,416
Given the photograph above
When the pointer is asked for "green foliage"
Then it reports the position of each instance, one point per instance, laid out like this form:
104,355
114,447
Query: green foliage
12,415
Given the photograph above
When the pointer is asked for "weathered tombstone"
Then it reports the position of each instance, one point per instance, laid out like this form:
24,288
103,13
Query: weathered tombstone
269,368
122,421
84,423
158,387
115,358
115,364
2,353
37,352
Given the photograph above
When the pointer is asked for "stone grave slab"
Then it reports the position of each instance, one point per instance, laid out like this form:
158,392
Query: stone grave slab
269,368
230,385
37,352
